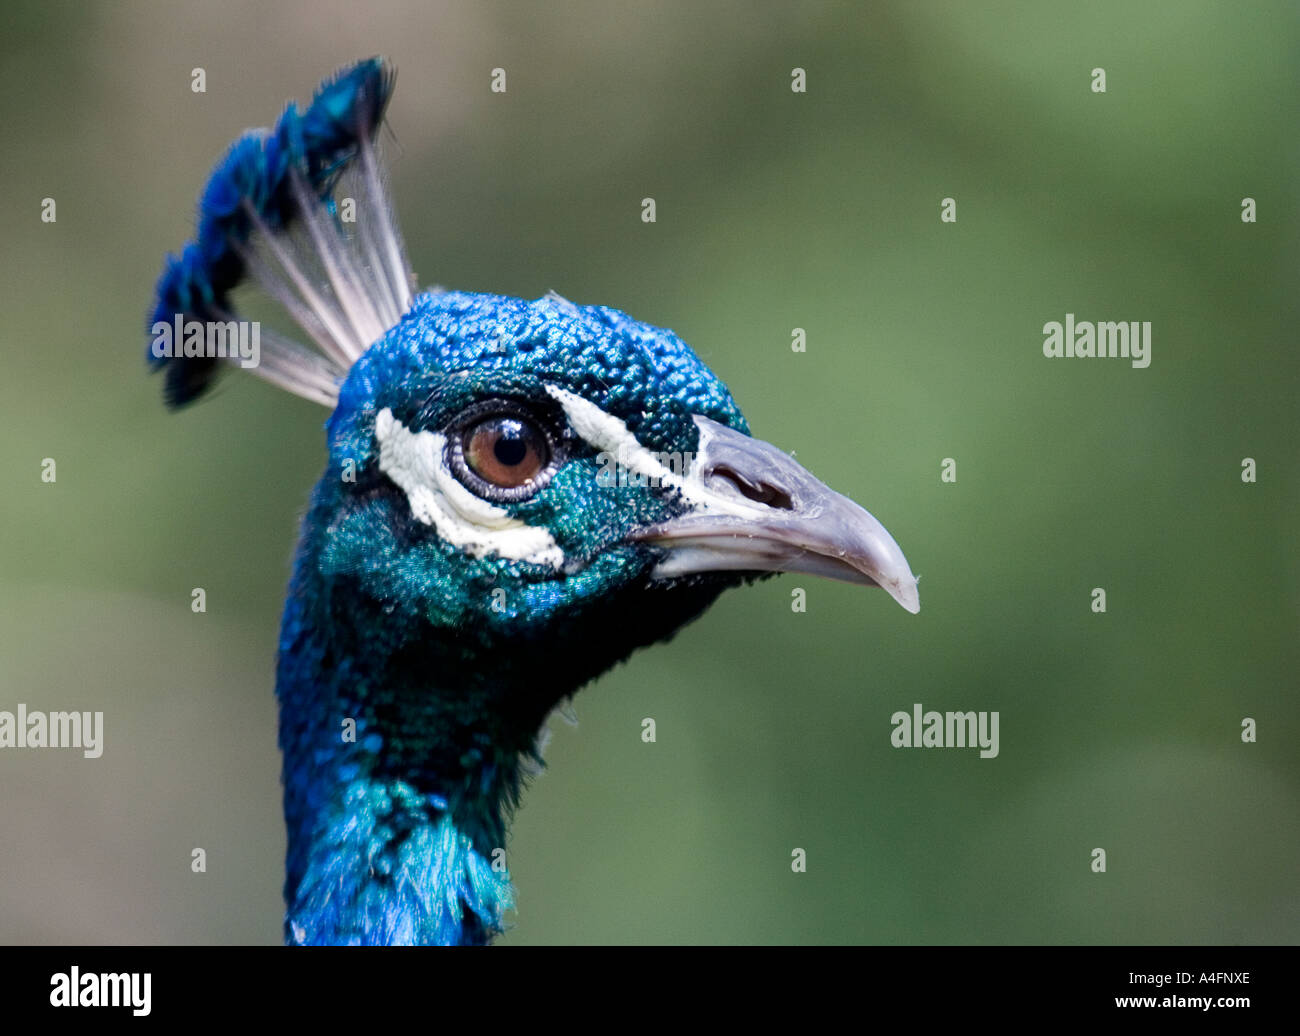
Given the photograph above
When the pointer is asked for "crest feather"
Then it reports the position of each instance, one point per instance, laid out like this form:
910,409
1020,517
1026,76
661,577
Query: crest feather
271,210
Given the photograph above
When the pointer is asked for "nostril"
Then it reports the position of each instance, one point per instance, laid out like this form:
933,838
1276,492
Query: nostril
759,491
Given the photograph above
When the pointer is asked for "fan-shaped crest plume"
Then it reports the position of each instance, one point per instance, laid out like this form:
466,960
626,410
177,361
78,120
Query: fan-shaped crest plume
303,208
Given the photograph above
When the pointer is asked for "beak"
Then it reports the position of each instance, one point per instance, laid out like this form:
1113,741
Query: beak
754,509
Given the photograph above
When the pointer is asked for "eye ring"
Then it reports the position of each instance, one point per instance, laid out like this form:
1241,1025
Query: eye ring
503,451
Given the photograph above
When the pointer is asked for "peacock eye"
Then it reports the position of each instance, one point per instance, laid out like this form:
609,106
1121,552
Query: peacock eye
502,456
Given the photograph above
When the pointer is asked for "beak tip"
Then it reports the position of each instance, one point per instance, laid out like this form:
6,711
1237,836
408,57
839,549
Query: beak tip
905,593
909,599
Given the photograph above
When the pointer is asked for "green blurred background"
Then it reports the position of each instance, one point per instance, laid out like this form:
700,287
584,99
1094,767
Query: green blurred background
775,210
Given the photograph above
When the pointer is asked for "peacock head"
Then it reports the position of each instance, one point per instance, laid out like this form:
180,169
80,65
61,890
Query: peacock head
505,468
502,473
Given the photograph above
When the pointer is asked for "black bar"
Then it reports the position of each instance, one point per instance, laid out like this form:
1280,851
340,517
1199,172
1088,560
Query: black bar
216,984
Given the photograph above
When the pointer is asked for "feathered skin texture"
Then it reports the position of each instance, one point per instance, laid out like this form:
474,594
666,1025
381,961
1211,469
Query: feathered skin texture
440,607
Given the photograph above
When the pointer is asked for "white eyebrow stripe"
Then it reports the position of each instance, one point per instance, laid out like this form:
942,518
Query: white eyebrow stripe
415,463
608,434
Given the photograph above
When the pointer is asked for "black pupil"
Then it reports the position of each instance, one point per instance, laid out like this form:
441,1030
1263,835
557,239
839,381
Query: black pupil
511,447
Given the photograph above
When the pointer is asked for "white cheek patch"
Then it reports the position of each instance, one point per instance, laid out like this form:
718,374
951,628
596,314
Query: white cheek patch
607,434
415,461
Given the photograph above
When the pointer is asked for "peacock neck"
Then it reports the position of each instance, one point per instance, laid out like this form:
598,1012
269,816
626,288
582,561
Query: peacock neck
396,809
400,770
396,793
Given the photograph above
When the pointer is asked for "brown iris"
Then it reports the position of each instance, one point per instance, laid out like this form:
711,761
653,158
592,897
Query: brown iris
505,451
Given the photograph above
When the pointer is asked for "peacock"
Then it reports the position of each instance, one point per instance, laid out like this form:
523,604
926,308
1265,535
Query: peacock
518,494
